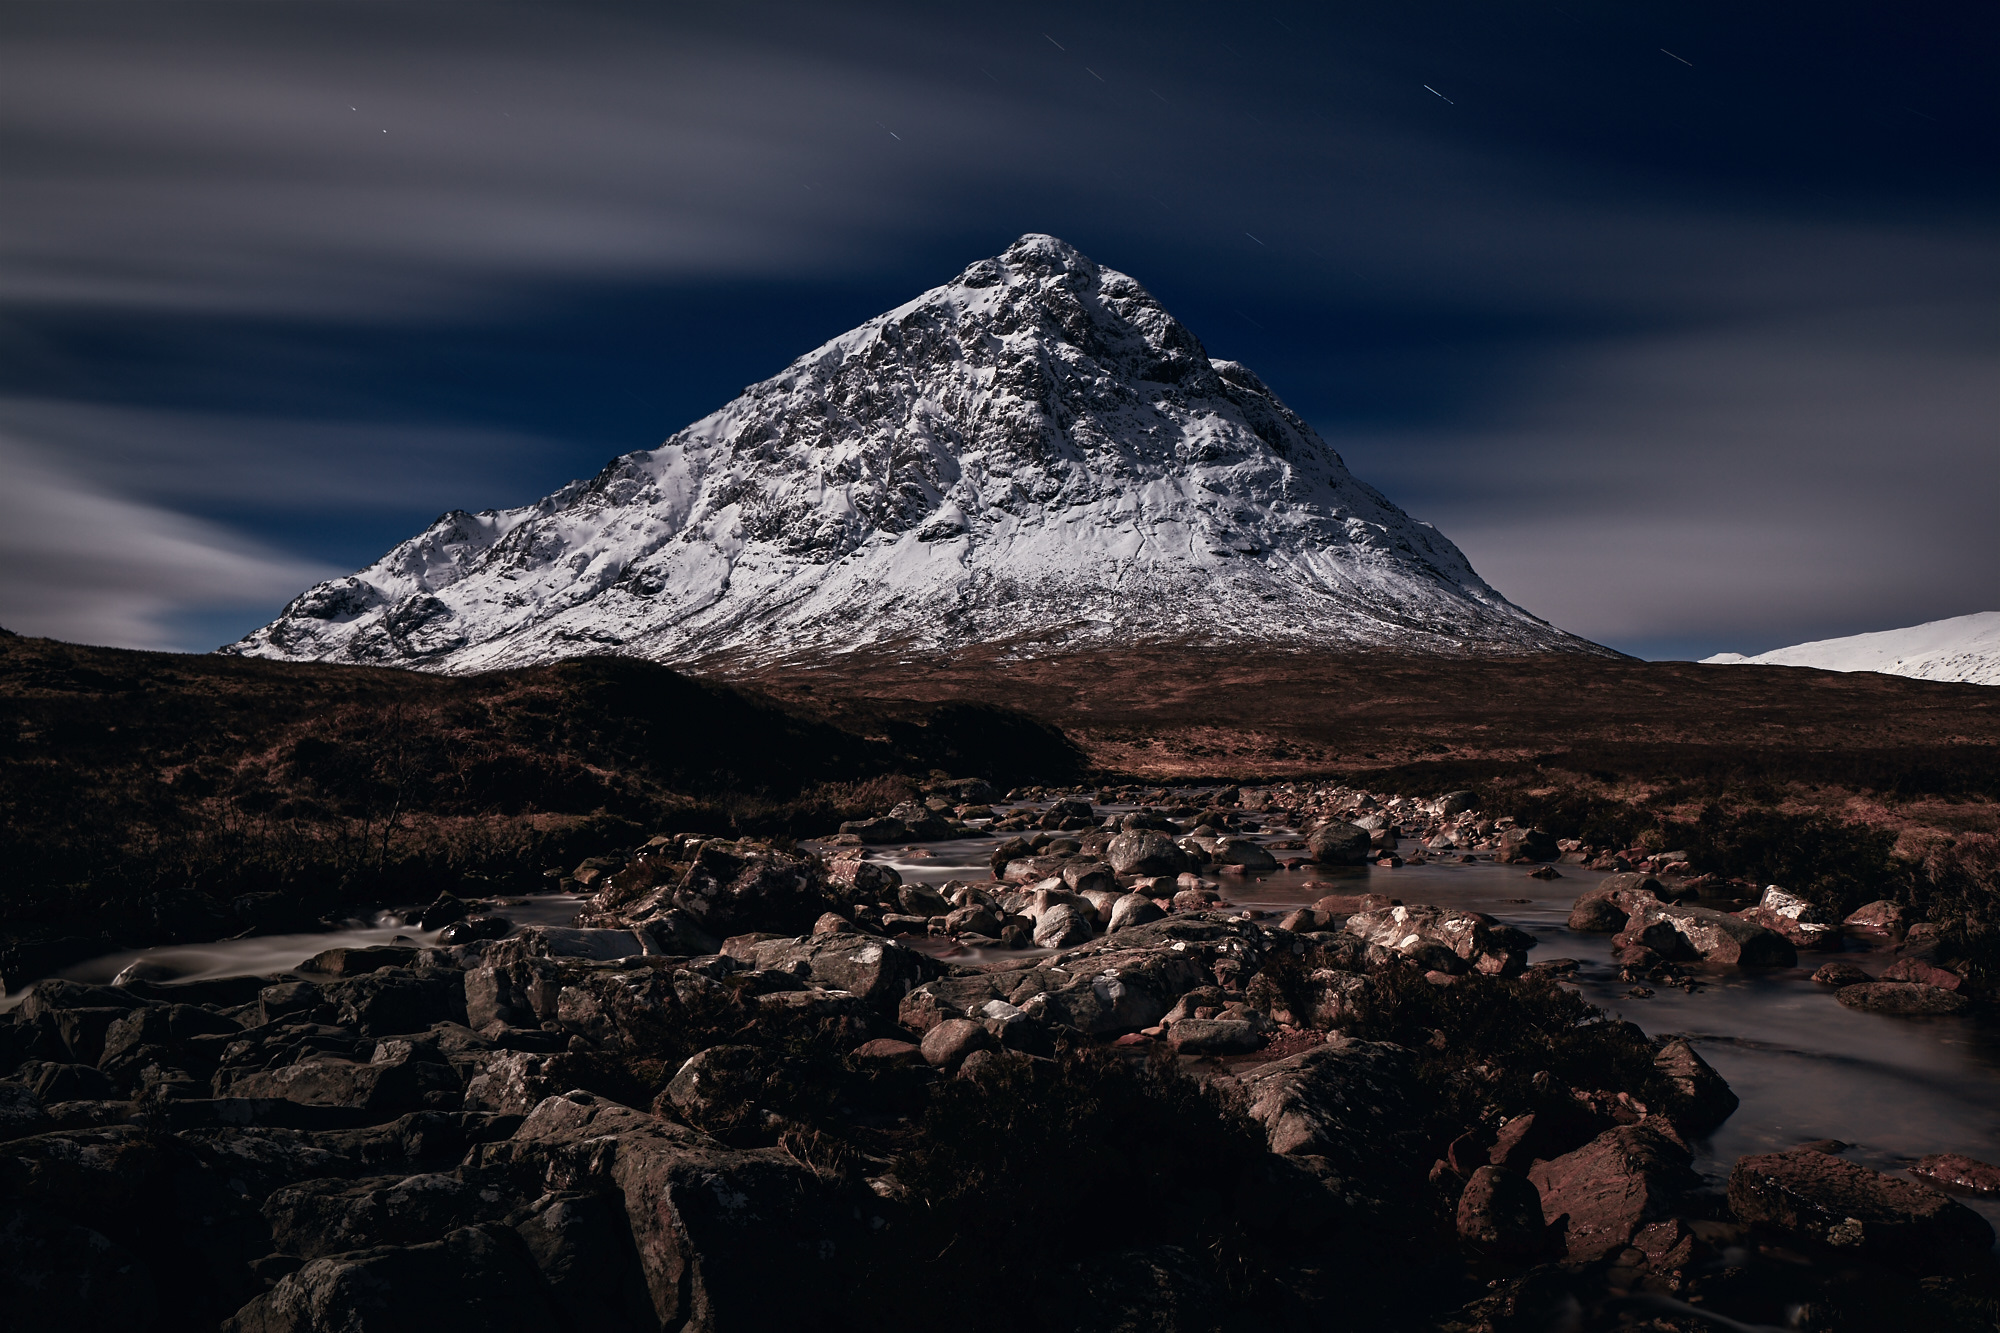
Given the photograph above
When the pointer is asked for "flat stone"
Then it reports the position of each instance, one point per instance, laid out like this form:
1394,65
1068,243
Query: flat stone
1838,1203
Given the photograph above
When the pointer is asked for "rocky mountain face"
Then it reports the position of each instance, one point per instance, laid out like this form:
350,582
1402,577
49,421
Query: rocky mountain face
1034,453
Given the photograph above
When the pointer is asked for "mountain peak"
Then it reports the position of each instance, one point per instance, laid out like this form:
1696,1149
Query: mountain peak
1035,451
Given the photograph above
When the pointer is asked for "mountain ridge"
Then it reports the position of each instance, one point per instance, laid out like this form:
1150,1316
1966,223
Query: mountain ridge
1960,648
1035,453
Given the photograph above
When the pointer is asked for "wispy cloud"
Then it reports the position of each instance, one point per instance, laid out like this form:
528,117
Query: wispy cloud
87,565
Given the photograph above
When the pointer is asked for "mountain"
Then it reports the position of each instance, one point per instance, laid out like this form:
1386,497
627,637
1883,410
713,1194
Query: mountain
1035,453
1963,648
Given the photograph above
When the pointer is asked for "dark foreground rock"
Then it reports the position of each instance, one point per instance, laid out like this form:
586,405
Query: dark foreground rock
1829,1201
1600,1197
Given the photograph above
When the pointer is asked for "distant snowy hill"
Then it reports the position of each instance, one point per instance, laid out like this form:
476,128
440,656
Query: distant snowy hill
1964,648
1035,452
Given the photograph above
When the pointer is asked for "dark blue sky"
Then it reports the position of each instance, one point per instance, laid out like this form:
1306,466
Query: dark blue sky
1679,319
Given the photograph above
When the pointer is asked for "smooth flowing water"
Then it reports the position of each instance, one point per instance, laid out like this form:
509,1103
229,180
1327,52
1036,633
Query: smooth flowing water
1805,1067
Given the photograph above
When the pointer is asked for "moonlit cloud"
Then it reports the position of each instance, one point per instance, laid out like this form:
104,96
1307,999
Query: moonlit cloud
85,565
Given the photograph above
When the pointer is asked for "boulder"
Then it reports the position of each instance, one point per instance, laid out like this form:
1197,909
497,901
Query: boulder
1840,973
57,1274
1338,844
1597,913
710,1226
511,1083
1248,856
1518,845
1718,937
1472,937
1350,1102
1134,909
382,1090
476,1277
1702,1098
357,962
1922,972
1960,1172
1613,1186
468,929
1831,1201
1500,1216
947,1045
880,829
872,969
1903,998
1213,1036
332,1216
1881,915
582,1244
1145,852
1061,926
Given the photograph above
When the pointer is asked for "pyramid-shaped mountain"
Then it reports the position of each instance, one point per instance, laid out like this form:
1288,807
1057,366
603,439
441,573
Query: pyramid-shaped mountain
1035,453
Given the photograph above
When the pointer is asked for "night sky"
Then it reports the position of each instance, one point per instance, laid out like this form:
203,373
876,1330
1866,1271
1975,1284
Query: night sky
1679,319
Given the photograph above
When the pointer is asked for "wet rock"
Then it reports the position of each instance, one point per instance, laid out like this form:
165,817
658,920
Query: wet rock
1339,843
1213,1036
879,830
392,1001
321,1217
1961,1172
1247,856
976,920
711,1226
872,969
476,1277
1648,942
467,929
718,1086
1516,845
1544,1135
1923,973
1840,973
1597,913
1061,926
1500,1216
1903,998
1351,1102
511,1082
1610,1188
1881,915
446,909
583,1247
1718,937
947,1045
1471,937
1134,909
357,962
1145,853
384,1090
1702,1098
1831,1201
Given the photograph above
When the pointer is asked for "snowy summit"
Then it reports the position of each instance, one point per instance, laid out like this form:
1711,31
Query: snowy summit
1034,453
1963,648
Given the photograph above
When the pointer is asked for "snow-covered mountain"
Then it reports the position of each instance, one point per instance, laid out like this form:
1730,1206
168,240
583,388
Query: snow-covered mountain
1035,452
1963,648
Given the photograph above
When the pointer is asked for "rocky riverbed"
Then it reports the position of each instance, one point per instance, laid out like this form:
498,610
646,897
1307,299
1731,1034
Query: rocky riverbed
1125,1059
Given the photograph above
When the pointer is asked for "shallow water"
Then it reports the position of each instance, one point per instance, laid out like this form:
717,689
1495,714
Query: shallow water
282,953
1804,1066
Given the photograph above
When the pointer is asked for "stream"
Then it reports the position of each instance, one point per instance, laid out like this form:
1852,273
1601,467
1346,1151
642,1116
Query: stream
1804,1066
